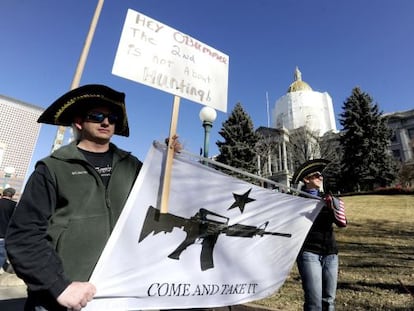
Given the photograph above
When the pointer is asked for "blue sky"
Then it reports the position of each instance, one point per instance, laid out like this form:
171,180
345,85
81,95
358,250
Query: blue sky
337,45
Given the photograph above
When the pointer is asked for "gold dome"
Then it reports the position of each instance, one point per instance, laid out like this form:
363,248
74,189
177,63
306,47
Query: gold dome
298,84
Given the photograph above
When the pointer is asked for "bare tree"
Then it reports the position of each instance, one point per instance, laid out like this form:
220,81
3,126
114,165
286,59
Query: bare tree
406,174
264,148
303,145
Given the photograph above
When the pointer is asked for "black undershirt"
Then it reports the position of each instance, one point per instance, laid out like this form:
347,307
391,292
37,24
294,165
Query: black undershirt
102,162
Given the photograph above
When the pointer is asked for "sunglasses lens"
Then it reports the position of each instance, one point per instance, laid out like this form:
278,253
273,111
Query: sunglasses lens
95,117
112,118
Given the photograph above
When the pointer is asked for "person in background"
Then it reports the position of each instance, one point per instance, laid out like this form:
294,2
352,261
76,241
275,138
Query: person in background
7,206
318,259
72,200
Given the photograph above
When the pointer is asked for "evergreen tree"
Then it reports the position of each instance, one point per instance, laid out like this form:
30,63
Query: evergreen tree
366,159
238,148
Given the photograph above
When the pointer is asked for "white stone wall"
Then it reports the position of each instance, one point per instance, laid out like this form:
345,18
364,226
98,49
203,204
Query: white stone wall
310,108
19,132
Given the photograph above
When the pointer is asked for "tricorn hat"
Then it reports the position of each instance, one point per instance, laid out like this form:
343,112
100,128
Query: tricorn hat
78,101
309,167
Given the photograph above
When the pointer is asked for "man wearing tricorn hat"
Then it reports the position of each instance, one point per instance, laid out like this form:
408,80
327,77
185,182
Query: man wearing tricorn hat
318,259
72,200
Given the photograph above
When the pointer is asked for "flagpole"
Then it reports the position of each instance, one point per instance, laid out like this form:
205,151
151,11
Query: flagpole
79,69
170,156
267,110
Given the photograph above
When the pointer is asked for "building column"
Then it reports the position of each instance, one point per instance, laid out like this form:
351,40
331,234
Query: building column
279,160
284,156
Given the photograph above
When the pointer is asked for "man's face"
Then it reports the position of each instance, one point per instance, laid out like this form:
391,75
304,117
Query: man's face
314,181
98,125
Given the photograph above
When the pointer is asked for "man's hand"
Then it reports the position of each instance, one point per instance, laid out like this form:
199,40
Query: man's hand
176,145
77,295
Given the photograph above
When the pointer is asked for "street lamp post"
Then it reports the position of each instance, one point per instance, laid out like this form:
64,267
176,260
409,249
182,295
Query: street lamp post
8,172
207,116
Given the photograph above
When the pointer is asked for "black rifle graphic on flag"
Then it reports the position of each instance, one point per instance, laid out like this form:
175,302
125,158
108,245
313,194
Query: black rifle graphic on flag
204,225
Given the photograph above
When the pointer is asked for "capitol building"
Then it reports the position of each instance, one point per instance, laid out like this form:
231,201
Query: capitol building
302,119
303,114
301,106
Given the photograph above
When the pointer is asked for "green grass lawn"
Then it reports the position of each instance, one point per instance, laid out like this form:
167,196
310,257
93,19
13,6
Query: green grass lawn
376,254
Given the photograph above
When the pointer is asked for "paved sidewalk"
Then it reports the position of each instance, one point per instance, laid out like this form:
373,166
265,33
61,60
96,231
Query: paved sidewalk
11,286
12,292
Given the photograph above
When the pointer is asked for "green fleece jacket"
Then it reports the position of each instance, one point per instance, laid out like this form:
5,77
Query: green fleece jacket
66,216
86,211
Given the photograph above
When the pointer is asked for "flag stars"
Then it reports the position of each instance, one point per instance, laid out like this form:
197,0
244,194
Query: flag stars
241,200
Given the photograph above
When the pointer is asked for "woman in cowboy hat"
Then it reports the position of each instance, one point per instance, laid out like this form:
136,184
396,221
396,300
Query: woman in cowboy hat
318,259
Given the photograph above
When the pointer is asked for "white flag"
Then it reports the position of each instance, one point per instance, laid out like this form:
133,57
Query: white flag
223,241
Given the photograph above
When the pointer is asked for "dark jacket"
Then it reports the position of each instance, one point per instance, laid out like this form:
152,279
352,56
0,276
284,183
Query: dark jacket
65,217
6,210
321,237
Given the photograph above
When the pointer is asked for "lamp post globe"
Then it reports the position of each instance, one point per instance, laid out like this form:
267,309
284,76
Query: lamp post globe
8,172
207,115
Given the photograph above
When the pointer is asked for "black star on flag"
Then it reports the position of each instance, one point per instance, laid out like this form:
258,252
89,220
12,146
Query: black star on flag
241,200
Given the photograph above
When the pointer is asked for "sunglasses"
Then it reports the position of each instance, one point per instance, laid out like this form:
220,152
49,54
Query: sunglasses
316,175
98,117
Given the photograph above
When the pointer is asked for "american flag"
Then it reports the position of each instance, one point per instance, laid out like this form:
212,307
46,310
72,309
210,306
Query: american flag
338,207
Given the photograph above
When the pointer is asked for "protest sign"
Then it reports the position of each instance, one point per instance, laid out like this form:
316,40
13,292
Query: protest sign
161,57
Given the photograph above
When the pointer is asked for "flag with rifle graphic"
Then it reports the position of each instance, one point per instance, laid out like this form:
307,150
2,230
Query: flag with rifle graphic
223,241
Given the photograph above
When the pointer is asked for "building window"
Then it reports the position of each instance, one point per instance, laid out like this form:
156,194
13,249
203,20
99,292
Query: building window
394,137
396,154
410,132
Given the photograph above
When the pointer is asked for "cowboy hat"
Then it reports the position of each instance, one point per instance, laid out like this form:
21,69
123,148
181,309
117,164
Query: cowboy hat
78,101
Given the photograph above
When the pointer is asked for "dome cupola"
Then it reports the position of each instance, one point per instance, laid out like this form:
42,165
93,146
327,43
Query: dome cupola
298,84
